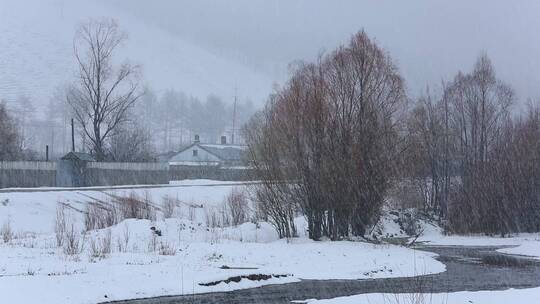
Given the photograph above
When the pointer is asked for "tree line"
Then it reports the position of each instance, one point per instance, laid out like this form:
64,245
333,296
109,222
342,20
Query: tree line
341,138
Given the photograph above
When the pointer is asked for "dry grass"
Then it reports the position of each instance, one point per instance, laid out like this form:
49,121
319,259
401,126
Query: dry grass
191,213
122,242
133,206
169,205
60,224
73,243
153,244
100,247
100,214
7,232
166,249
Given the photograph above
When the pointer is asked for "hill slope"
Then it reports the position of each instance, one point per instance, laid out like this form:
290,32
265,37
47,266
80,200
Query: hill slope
36,52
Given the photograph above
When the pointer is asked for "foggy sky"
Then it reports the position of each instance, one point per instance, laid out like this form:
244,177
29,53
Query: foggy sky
207,47
430,40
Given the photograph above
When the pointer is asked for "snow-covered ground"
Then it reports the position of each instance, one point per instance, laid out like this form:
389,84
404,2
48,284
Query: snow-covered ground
530,246
188,252
479,297
522,244
35,211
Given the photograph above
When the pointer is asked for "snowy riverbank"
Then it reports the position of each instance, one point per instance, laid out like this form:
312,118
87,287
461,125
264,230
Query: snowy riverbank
188,252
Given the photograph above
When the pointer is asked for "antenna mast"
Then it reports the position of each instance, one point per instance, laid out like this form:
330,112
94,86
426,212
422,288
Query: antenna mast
234,114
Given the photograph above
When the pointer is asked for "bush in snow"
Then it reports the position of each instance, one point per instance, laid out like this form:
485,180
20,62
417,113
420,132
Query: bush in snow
134,207
6,232
409,222
60,224
212,218
101,214
166,249
153,244
98,216
191,213
277,208
72,241
100,246
123,241
238,206
168,205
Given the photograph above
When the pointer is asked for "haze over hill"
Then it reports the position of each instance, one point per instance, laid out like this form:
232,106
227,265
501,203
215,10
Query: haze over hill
210,46
36,53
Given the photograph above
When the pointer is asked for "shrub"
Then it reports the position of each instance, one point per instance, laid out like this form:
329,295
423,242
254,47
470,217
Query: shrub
168,205
191,214
60,224
166,249
212,219
7,232
101,246
134,207
122,242
98,216
238,206
153,244
72,241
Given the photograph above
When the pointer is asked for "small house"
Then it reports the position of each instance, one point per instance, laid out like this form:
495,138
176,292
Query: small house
214,155
71,168
79,156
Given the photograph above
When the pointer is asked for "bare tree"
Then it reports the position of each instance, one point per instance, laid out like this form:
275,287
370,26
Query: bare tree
330,133
273,195
425,160
103,94
479,114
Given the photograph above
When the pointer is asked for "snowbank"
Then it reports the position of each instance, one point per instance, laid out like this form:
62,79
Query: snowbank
187,253
529,247
528,240
521,244
480,297
34,263
35,211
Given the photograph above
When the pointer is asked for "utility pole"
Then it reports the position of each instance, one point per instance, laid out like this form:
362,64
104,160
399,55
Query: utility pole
234,114
72,136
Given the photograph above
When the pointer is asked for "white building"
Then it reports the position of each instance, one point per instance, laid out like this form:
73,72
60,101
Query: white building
222,155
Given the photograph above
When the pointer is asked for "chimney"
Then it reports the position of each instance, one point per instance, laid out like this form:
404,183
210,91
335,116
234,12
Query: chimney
197,140
223,140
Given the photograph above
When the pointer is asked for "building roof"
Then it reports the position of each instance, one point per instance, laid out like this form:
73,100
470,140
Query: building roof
79,156
165,157
223,152
226,152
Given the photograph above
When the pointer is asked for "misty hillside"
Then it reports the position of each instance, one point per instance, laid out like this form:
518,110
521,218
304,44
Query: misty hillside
210,46
36,52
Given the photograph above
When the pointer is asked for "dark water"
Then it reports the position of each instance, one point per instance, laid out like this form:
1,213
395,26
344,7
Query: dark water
467,269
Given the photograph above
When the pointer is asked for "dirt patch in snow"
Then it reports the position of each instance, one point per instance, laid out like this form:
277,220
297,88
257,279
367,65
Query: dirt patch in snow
251,277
